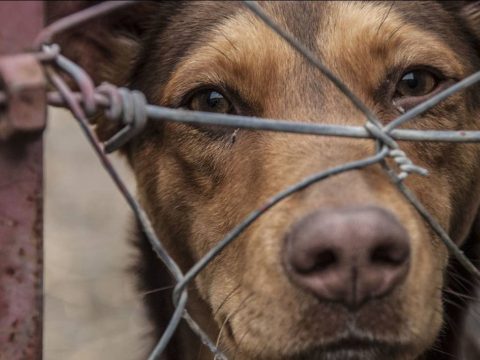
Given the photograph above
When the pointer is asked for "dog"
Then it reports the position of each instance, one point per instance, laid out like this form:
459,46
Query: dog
345,269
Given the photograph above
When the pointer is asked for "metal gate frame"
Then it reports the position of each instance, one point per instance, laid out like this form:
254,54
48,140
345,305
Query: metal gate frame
21,182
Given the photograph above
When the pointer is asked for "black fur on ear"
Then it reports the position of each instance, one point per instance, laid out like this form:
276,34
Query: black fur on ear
471,14
108,47
467,12
105,47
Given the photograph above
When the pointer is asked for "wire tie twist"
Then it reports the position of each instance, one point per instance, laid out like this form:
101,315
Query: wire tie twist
399,156
129,108
48,53
78,74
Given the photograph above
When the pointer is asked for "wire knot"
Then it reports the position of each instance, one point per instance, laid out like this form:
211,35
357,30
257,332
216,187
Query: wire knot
49,53
126,107
399,156
405,164
80,77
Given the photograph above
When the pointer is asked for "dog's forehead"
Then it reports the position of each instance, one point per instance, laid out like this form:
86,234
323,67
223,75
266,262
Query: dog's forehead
211,42
200,43
182,24
302,18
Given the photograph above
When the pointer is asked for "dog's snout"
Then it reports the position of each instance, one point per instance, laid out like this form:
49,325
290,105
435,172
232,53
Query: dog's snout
348,255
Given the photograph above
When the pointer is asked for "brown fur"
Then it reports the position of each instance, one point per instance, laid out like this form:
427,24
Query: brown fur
196,187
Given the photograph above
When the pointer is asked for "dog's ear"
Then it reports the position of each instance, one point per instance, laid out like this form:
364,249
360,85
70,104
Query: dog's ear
471,13
468,13
107,46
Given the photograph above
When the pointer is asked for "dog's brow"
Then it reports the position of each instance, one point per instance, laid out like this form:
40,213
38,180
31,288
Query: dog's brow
220,51
222,33
387,13
400,44
241,52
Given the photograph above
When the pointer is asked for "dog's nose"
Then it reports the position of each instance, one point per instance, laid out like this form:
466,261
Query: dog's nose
348,255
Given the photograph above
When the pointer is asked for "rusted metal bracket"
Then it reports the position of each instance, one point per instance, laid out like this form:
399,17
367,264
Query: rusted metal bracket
23,82
22,117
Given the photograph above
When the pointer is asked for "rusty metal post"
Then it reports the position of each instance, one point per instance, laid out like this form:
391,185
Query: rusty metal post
21,250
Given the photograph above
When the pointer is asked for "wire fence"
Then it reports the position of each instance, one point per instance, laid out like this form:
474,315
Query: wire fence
129,109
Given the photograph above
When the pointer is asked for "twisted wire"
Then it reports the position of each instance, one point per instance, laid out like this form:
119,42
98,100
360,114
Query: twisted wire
399,156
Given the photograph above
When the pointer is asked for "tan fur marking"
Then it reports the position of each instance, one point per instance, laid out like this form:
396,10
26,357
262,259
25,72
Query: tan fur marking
241,52
363,41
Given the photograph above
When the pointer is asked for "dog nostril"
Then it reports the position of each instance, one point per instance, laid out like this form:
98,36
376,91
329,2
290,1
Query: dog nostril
325,260
314,261
389,254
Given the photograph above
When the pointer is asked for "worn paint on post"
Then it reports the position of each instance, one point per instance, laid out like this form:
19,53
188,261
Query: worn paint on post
21,205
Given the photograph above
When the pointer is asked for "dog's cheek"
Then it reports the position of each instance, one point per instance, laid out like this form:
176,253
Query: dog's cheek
162,196
423,295
418,302
196,191
233,199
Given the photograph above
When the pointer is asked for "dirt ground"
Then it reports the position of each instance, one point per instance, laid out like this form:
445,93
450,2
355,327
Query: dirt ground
91,309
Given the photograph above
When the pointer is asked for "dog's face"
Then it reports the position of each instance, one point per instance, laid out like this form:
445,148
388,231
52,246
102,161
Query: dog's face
345,269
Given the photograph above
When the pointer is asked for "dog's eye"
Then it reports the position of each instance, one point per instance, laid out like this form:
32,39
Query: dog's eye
416,86
416,83
210,101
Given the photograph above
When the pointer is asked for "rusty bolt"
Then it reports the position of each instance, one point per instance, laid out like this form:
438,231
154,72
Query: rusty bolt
23,83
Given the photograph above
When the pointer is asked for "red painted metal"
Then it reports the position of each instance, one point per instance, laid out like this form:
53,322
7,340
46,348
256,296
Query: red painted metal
20,23
21,252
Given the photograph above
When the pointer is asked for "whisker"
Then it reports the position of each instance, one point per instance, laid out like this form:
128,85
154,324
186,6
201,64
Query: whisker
225,300
154,291
443,352
464,297
239,343
234,312
453,303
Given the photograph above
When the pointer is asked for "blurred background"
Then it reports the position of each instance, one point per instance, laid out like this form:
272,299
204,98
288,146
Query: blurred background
92,310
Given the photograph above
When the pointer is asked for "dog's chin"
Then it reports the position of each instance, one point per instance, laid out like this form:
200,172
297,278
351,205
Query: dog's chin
350,344
355,349
348,348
